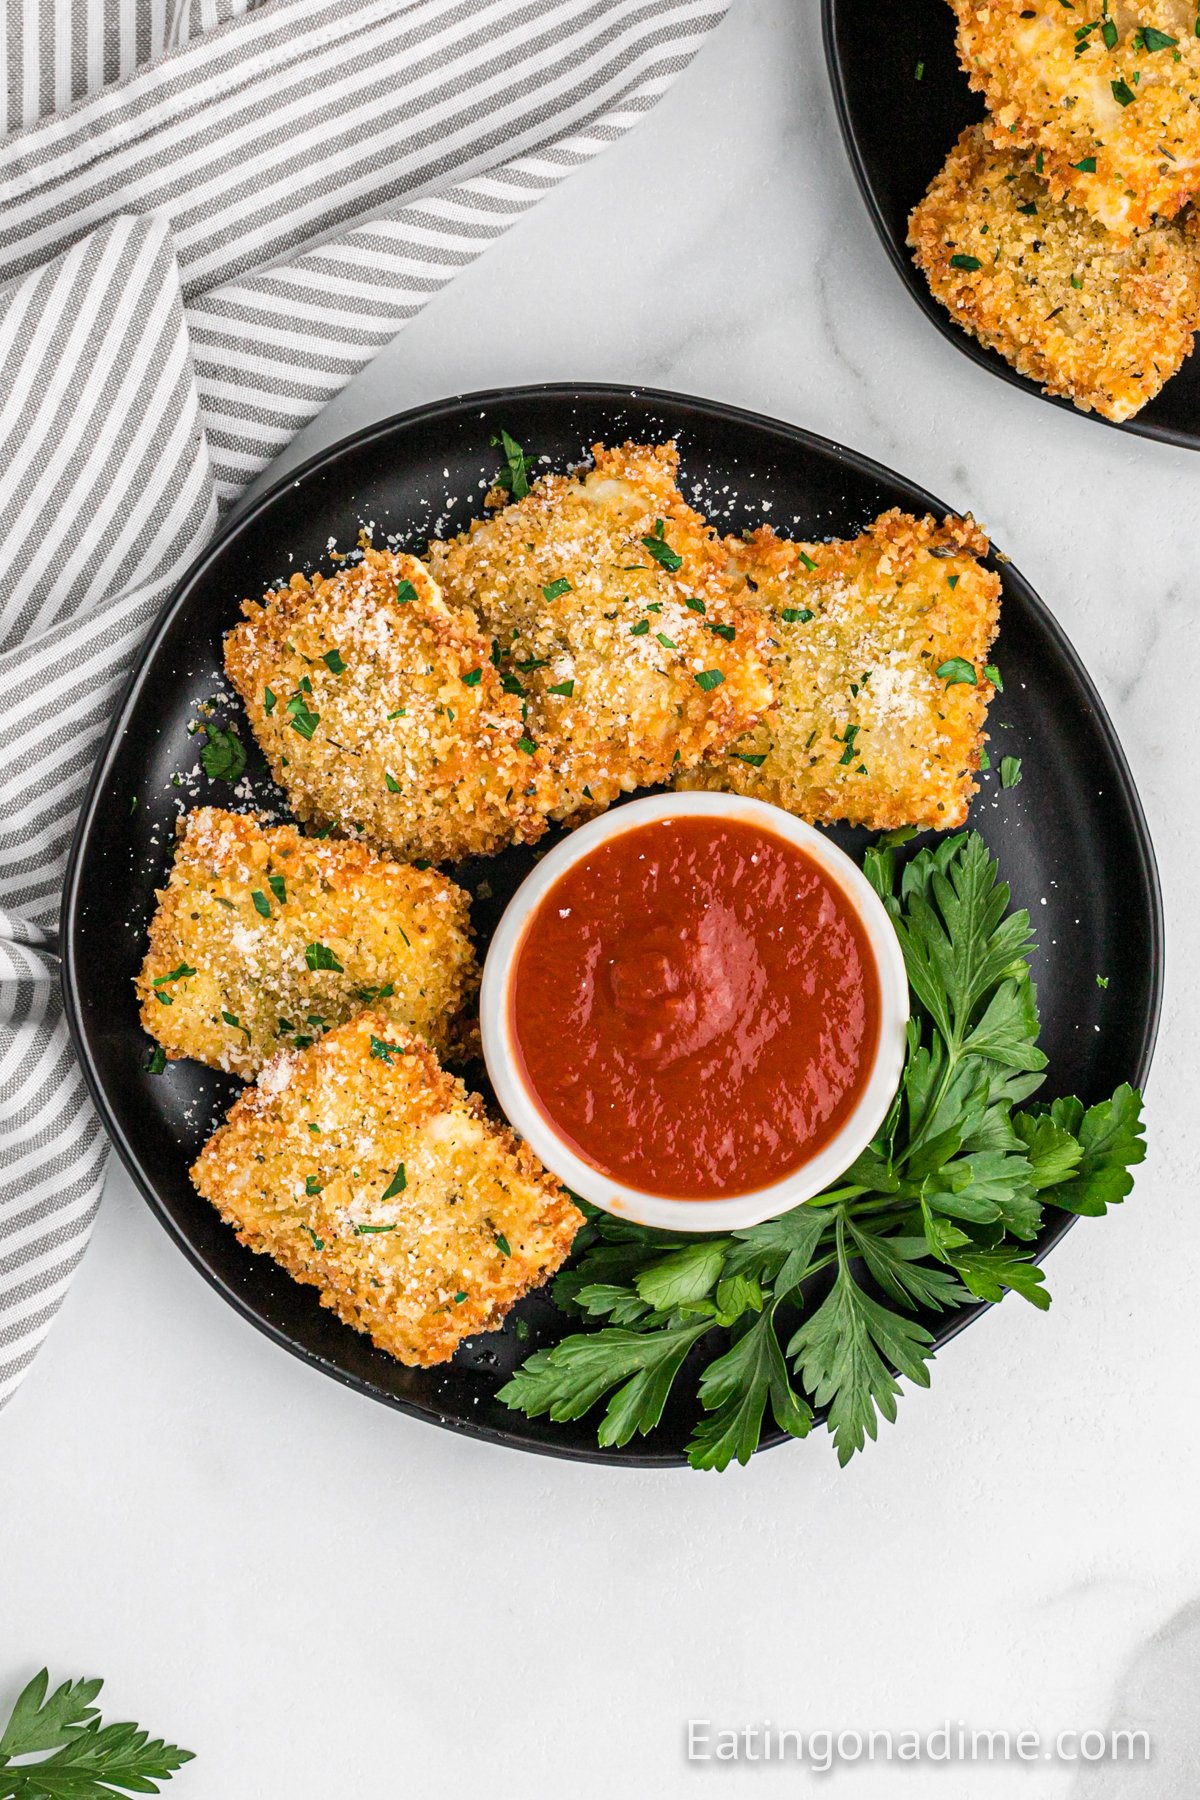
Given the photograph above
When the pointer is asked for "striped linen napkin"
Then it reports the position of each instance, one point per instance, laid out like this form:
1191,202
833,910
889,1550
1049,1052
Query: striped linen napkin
213,215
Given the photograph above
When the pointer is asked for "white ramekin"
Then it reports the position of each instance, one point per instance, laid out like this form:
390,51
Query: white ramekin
736,1211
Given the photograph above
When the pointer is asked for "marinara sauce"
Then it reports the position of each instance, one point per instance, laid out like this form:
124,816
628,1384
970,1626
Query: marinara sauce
695,1007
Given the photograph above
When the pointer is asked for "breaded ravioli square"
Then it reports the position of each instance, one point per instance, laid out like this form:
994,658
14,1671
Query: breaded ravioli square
880,648
1103,320
1105,91
369,1173
380,712
263,938
609,606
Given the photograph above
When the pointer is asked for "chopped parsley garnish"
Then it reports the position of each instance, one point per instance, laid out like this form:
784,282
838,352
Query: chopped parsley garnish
1086,165
640,629
848,737
1030,210
514,476
565,688
301,717
756,762
993,675
957,671
390,782
179,973
372,1230
807,560
223,755
472,678
320,956
660,550
527,745
708,679
502,1244
1122,93
985,761
156,1062
261,903
919,72
269,701
510,684
1102,981
1108,32
796,615
369,995
333,662
460,1296
965,262
722,631
694,605
317,1243
405,592
384,1051
232,1019
396,1185
1148,37
1010,771
556,589
666,642
278,887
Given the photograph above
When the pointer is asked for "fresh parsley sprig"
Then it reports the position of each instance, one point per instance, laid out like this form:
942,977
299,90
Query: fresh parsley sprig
827,1306
87,1760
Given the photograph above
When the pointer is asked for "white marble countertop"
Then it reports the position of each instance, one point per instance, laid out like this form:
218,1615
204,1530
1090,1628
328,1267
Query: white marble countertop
325,1598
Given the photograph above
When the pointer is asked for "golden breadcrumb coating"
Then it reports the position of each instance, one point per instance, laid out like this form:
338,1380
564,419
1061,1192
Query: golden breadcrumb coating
1100,319
366,1171
609,602
248,911
379,711
865,728
1108,92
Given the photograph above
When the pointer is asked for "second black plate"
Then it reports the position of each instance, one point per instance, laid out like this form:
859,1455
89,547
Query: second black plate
899,131
1070,839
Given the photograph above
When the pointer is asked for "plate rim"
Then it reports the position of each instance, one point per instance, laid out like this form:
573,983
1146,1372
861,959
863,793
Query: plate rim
239,520
919,293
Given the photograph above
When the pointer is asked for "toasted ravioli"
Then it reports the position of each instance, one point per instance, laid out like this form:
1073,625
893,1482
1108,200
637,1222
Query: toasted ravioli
870,726
609,604
262,939
369,1173
1107,92
1103,320
379,711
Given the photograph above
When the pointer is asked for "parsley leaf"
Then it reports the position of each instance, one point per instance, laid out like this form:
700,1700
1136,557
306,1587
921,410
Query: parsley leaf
957,671
660,550
88,1760
320,956
223,756
849,1352
396,1185
514,476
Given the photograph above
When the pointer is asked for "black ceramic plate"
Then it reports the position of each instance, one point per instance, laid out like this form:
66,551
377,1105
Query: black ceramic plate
899,131
1070,838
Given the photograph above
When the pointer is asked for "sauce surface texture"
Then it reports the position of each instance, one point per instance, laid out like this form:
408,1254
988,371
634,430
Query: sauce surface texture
695,1007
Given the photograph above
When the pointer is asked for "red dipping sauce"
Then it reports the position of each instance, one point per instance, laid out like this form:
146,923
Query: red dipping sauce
695,1007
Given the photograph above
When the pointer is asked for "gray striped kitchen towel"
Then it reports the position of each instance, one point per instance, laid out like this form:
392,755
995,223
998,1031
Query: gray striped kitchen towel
212,215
